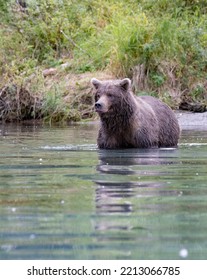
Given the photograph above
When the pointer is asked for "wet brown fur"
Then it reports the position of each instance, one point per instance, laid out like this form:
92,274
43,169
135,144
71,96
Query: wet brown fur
128,121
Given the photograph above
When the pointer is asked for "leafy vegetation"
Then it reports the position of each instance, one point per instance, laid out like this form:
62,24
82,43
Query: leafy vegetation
161,45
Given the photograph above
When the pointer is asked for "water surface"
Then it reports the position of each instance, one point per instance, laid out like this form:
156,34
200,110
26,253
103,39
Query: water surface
62,198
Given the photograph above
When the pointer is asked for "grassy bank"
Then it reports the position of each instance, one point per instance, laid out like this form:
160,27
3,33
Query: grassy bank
161,45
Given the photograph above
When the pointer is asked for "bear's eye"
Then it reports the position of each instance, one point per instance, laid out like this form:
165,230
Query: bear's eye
110,95
97,96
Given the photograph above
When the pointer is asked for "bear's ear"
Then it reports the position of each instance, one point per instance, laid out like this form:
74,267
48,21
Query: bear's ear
125,84
96,83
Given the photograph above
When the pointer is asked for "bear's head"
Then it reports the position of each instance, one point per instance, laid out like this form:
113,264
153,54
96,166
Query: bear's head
111,95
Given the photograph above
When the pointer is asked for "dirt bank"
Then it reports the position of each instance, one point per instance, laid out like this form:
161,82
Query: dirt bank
55,95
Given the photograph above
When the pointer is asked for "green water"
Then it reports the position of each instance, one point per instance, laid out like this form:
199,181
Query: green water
62,198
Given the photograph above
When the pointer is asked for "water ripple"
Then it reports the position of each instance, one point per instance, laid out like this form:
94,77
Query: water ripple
84,147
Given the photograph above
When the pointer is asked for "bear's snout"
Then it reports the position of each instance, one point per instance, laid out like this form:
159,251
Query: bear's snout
98,106
101,105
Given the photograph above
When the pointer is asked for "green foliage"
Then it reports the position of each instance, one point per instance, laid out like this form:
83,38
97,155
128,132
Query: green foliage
168,37
4,9
158,80
55,109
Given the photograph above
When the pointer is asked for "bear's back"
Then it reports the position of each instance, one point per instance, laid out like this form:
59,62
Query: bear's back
169,130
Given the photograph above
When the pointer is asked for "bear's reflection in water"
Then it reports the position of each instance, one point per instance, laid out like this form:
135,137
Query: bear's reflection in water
131,173
129,183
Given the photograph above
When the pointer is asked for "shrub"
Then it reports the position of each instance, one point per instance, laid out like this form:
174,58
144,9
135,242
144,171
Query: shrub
160,44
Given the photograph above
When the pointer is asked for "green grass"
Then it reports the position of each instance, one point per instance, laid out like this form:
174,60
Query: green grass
164,40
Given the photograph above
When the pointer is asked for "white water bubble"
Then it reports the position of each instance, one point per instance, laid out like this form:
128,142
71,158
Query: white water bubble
183,253
32,236
180,193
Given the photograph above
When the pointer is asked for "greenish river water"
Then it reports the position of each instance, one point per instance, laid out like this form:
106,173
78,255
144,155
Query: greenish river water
62,198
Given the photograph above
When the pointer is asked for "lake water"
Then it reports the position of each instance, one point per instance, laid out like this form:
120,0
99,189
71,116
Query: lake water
62,198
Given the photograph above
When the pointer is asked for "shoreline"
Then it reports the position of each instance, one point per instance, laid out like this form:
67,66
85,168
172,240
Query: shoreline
187,121
192,121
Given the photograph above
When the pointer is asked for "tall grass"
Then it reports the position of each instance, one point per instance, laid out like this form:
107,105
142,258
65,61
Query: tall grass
165,40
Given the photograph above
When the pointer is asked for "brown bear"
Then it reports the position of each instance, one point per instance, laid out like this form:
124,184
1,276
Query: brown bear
129,121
